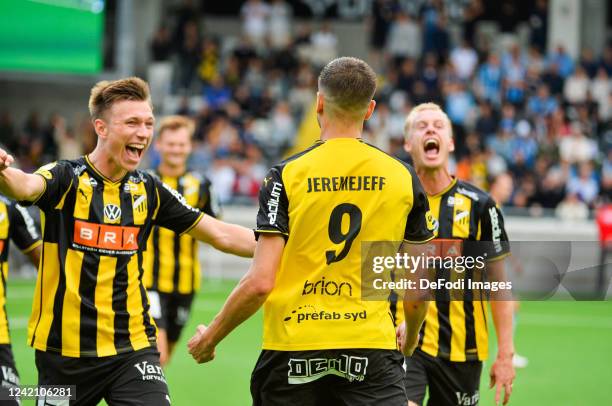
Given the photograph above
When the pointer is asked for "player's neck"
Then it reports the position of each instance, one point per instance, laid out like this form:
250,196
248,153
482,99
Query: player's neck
434,181
106,165
338,129
171,171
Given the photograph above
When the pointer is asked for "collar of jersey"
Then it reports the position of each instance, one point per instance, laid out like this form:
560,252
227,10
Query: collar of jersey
101,175
446,189
340,138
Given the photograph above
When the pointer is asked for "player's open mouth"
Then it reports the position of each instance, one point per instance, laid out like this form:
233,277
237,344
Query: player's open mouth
431,148
135,151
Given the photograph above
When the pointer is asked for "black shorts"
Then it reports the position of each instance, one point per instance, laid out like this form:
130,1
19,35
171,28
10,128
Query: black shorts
133,378
170,312
355,377
8,374
450,383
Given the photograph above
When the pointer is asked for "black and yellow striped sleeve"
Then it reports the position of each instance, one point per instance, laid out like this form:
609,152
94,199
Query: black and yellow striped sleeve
174,212
57,178
493,232
23,230
273,214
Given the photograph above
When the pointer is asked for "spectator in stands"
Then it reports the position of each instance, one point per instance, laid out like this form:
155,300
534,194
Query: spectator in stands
576,147
538,24
324,45
208,68
571,208
588,62
563,60
217,94
576,86
404,38
584,184
188,57
606,60
600,87
254,15
542,104
464,59
161,45
489,80
379,21
279,26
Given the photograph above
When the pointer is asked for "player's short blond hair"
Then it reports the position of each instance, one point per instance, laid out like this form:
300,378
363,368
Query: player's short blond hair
423,107
174,123
105,93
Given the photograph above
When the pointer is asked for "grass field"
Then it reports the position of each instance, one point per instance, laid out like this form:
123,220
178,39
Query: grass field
569,345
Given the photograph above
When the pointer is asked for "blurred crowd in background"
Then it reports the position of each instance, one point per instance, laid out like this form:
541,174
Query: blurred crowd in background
542,117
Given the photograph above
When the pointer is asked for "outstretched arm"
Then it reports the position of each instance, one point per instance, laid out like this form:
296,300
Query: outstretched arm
15,183
250,294
502,308
226,237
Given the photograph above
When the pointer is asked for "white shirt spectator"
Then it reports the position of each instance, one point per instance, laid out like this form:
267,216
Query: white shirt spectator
254,14
576,87
577,148
279,30
572,209
324,46
404,38
464,59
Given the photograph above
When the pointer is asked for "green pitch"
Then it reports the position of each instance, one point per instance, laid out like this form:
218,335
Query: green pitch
569,346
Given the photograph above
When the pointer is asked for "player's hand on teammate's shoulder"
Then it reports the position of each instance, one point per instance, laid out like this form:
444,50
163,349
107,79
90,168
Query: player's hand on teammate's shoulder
199,347
502,374
6,159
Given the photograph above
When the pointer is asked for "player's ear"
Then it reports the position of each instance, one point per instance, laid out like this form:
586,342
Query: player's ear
371,108
100,127
320,101
407,144
451,146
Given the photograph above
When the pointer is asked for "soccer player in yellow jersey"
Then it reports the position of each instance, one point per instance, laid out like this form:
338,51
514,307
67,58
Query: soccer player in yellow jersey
454,337
16,225
323,344
90,322
172,266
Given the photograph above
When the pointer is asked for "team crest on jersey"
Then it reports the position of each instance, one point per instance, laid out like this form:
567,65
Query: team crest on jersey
140,203
112,212
432,222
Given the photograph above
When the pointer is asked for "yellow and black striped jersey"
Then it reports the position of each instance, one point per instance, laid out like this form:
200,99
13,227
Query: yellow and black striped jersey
457,330
171,261
16,225
325,201
89,299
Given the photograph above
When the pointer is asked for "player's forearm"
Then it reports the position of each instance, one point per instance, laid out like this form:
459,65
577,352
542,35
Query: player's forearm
243,302
236,240
226,237
414,313
20,186
502,312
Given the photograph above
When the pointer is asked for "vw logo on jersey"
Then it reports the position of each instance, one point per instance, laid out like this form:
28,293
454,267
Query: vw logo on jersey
112,212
